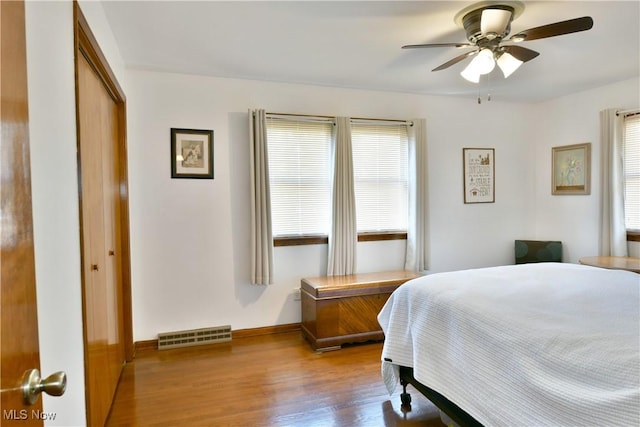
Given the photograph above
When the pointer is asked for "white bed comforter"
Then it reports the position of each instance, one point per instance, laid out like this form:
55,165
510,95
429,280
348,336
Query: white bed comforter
524,345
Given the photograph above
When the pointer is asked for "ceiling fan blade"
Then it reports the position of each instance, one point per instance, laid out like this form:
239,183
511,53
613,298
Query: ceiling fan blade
494,21
419,46
455,60
521,53
555,29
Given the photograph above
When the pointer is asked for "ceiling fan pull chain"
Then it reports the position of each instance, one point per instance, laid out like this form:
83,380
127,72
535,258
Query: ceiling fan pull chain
488,83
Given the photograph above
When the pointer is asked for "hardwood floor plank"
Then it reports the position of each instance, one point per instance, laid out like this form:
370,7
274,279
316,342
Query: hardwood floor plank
273,380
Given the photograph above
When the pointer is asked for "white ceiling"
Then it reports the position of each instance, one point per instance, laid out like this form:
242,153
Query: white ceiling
356,44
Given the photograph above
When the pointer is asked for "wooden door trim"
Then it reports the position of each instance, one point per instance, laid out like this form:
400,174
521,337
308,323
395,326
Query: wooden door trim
87,46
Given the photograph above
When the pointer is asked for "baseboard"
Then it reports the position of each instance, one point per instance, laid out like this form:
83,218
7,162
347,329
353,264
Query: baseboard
237,334
145,345
266,330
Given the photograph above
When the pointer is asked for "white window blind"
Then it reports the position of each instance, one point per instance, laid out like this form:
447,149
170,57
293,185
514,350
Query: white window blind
299,176
632,172
380,163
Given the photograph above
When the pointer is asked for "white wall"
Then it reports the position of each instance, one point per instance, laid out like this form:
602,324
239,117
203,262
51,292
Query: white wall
190,238
574,119
52,127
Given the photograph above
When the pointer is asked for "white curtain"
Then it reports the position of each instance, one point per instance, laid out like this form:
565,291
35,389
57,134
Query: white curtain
261,233
343,235
417,253
613,234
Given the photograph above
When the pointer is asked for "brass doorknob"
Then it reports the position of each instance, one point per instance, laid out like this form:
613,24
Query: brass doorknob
32,385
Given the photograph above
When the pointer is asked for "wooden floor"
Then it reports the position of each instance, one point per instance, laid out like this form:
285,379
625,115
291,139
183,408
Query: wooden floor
273,380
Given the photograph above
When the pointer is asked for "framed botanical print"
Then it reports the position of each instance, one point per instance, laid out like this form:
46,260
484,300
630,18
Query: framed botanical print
571,169
191,153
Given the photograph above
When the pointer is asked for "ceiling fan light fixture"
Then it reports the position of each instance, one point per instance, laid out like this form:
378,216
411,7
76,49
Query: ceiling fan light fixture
494,22
483,63
508,64
487,25
470,75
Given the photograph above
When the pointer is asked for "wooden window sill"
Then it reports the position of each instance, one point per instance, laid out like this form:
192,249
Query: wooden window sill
323,240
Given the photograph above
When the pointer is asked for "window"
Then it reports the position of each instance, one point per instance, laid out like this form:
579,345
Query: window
631,138
300,153
380,163
299,176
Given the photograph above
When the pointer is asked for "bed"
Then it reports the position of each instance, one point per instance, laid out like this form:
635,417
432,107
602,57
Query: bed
546,344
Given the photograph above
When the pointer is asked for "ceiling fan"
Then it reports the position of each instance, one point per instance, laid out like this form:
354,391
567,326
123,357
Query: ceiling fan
487,25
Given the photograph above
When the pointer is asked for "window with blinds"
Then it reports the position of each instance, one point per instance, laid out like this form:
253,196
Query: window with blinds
299,176
632,172
380,169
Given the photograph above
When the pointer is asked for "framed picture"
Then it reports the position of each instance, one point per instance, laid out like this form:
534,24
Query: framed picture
191,153
571,169
479,175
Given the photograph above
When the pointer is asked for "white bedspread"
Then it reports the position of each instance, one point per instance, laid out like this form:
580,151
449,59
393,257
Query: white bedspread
525,345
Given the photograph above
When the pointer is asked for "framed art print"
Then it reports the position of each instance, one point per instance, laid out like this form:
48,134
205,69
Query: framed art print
479,175
571,169
191,153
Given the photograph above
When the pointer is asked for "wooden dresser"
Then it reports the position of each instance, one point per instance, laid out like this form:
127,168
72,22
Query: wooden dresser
344,309
613,262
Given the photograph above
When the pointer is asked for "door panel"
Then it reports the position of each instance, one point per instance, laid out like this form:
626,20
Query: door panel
18,321
100,218
111,209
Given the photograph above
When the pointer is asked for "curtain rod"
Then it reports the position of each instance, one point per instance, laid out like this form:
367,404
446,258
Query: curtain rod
323,117
381,121
310,116
301,117
632,112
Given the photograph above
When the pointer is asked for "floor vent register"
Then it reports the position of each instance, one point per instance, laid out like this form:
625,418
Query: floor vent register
193,337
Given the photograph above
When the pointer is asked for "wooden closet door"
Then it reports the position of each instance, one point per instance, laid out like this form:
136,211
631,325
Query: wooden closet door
111,206
104,355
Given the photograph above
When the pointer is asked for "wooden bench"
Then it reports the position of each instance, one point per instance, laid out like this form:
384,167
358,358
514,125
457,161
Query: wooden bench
344,309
